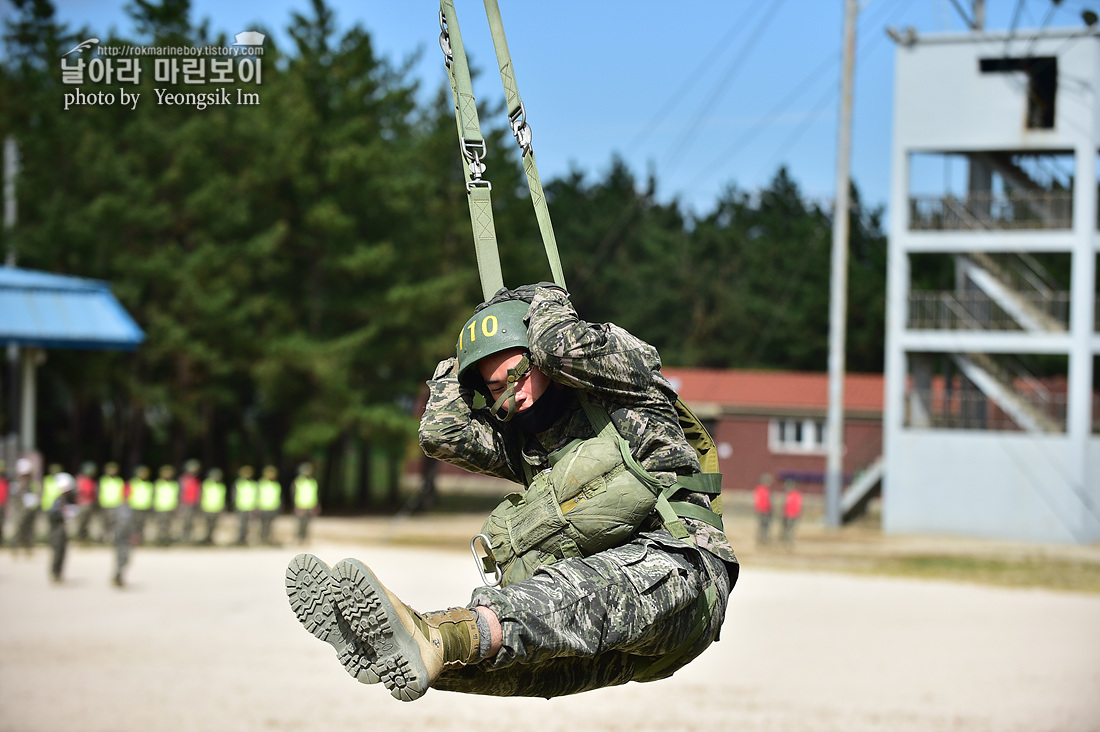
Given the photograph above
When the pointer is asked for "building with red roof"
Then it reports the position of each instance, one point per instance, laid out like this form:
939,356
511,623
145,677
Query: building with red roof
774,422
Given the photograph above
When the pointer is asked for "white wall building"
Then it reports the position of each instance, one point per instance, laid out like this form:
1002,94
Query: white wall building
991,419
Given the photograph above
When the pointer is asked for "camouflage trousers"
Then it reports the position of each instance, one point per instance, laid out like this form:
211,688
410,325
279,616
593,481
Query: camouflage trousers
603,620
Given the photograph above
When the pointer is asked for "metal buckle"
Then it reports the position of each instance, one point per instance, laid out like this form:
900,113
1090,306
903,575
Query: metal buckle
474,160
480,561
520,129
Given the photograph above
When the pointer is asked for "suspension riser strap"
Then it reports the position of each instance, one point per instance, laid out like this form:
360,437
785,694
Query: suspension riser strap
522,131
473,149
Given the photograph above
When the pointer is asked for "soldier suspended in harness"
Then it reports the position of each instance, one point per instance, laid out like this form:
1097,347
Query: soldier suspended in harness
611,565
637,609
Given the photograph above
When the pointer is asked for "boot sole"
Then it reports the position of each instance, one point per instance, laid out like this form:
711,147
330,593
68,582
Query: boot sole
363,603
307,588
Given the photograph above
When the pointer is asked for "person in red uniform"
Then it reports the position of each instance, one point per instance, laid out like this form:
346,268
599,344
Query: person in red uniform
3,497
190,493
762,503
87,499
792,509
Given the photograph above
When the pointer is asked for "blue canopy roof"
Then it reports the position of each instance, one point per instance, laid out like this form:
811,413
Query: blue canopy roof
47,310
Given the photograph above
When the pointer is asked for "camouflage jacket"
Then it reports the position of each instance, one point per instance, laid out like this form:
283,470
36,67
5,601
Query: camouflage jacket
617,370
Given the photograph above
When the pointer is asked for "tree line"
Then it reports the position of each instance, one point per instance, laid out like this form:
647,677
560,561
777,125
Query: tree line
300,265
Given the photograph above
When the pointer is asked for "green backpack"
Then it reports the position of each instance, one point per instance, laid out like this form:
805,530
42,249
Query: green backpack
593,497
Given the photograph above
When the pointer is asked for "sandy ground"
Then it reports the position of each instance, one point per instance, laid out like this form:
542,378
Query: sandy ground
203,639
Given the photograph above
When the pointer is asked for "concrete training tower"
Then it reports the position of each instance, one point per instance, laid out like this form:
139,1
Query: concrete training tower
991,420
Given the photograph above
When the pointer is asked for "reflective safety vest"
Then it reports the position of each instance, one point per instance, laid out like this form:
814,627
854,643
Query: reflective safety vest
271,495
213,496
49,492
110,491
141,494
244,497
305,493
167,495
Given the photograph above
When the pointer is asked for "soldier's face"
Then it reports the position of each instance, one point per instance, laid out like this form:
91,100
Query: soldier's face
494,369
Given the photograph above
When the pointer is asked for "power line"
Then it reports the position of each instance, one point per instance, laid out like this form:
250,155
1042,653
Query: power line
631,208
723,84
738,25
817,74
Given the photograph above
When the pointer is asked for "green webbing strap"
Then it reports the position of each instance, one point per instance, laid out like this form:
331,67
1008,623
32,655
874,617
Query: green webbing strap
522,131
709,483
693,511
472,147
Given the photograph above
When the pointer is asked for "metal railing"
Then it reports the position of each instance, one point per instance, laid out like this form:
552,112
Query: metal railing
981,211
976,311
965,407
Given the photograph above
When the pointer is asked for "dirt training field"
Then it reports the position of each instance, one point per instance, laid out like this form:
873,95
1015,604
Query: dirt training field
204,640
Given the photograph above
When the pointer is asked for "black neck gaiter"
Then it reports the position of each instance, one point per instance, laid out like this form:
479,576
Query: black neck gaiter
546,410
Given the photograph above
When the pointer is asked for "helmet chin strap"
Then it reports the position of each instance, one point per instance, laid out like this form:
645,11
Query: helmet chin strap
515,373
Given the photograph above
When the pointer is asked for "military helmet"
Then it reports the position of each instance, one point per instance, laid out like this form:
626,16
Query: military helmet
110,468
492,330
215,474
88,468
64,482
305,469
270,472
167,472
245,472
141,472
192,466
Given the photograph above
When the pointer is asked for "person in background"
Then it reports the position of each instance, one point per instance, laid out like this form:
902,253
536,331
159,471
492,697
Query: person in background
792,509
212,503
306,505
25,499
112,496
49,492
270,500
122,534
4,490
762,504
190,490
166,501
141,501
59,513
87,499
244,501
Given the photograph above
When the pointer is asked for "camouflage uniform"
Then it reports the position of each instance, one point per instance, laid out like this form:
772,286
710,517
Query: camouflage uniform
586,622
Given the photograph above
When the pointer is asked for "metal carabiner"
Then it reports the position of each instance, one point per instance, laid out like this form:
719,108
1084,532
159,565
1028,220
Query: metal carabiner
520,129
481,561
445,40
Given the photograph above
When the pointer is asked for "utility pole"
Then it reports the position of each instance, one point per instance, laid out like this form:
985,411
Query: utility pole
838,288
10,447
11,169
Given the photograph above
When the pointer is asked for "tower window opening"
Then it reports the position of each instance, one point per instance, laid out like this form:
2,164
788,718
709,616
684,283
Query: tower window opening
1042,83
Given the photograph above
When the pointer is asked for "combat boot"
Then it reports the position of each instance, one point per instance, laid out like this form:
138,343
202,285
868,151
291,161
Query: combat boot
307,588
409,649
